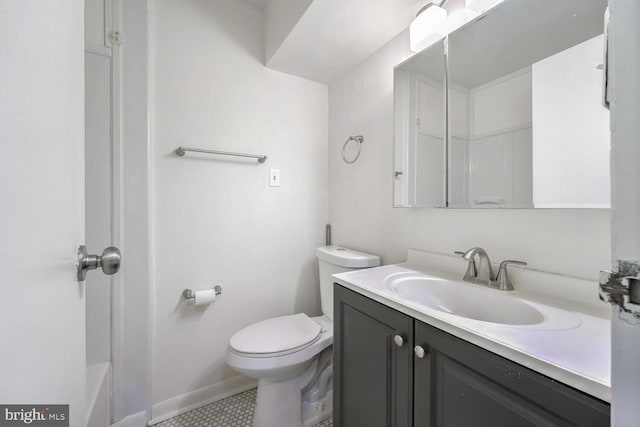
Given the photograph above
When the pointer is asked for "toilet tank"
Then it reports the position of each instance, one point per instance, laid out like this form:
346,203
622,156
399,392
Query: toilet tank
334,260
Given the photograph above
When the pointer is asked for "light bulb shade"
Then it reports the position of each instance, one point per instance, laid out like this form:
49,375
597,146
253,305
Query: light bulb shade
481,6
427,28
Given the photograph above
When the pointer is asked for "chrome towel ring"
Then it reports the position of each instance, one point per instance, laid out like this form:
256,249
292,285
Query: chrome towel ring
359,139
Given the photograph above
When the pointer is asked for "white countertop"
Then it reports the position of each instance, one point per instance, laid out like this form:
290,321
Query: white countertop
572,344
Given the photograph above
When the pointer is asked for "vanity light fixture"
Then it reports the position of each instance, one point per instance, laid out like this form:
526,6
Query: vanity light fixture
428,27
459,18
432,23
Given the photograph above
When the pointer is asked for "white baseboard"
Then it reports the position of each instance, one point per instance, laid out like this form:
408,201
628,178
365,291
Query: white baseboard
136,420
186,402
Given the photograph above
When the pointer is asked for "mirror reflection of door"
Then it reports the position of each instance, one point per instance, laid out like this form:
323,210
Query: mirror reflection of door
420,139
571,134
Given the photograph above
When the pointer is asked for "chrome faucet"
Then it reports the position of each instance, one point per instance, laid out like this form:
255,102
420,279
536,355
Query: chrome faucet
481,272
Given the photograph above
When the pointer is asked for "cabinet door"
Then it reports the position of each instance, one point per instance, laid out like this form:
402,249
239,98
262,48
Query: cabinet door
373,378
460,384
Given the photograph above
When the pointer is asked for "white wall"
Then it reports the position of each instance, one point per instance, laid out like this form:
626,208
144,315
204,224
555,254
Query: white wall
574,242
132,311
216,220
94,22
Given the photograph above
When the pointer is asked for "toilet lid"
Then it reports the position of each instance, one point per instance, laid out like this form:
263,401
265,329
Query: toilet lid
276,335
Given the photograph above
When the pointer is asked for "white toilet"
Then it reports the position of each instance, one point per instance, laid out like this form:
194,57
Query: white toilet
291,356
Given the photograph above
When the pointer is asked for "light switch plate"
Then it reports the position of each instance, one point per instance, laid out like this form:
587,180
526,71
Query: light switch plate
274,177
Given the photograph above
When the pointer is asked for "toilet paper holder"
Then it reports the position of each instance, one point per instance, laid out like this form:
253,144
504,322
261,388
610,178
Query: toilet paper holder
189,295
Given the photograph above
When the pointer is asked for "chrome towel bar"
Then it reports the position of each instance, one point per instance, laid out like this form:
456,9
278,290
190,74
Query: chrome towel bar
180,151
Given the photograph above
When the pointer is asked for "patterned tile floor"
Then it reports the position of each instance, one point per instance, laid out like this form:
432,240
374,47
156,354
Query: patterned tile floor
234,411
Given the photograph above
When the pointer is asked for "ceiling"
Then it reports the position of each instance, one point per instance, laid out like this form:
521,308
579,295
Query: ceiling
328,37
259,3
334,35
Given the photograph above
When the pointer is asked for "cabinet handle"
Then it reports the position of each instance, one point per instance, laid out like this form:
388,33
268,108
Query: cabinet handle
419,351
398,340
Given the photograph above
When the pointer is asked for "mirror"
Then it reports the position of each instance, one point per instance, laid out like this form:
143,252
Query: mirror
526,125
419,130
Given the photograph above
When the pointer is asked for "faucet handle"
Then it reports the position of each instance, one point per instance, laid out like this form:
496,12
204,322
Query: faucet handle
503,264
503,278
469,254
471,268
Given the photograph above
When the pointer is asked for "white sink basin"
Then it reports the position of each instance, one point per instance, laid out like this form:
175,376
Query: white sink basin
460,299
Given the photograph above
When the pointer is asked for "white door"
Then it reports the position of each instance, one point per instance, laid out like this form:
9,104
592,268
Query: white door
624,69
42,319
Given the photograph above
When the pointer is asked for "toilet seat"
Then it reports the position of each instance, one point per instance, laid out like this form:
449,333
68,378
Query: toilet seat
277,336
252,364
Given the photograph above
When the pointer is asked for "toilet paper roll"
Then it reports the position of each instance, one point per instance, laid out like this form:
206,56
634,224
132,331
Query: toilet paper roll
205,297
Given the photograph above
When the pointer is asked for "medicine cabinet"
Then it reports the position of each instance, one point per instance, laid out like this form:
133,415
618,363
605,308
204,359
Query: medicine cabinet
506,112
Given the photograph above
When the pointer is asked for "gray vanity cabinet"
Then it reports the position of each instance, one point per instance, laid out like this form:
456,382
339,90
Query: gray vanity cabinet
460,384
453,384
372,373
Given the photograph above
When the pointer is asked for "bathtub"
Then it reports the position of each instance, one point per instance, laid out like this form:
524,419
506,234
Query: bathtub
98,395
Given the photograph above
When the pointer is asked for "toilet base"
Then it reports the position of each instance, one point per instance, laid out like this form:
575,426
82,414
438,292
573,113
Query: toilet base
316,412
279,403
